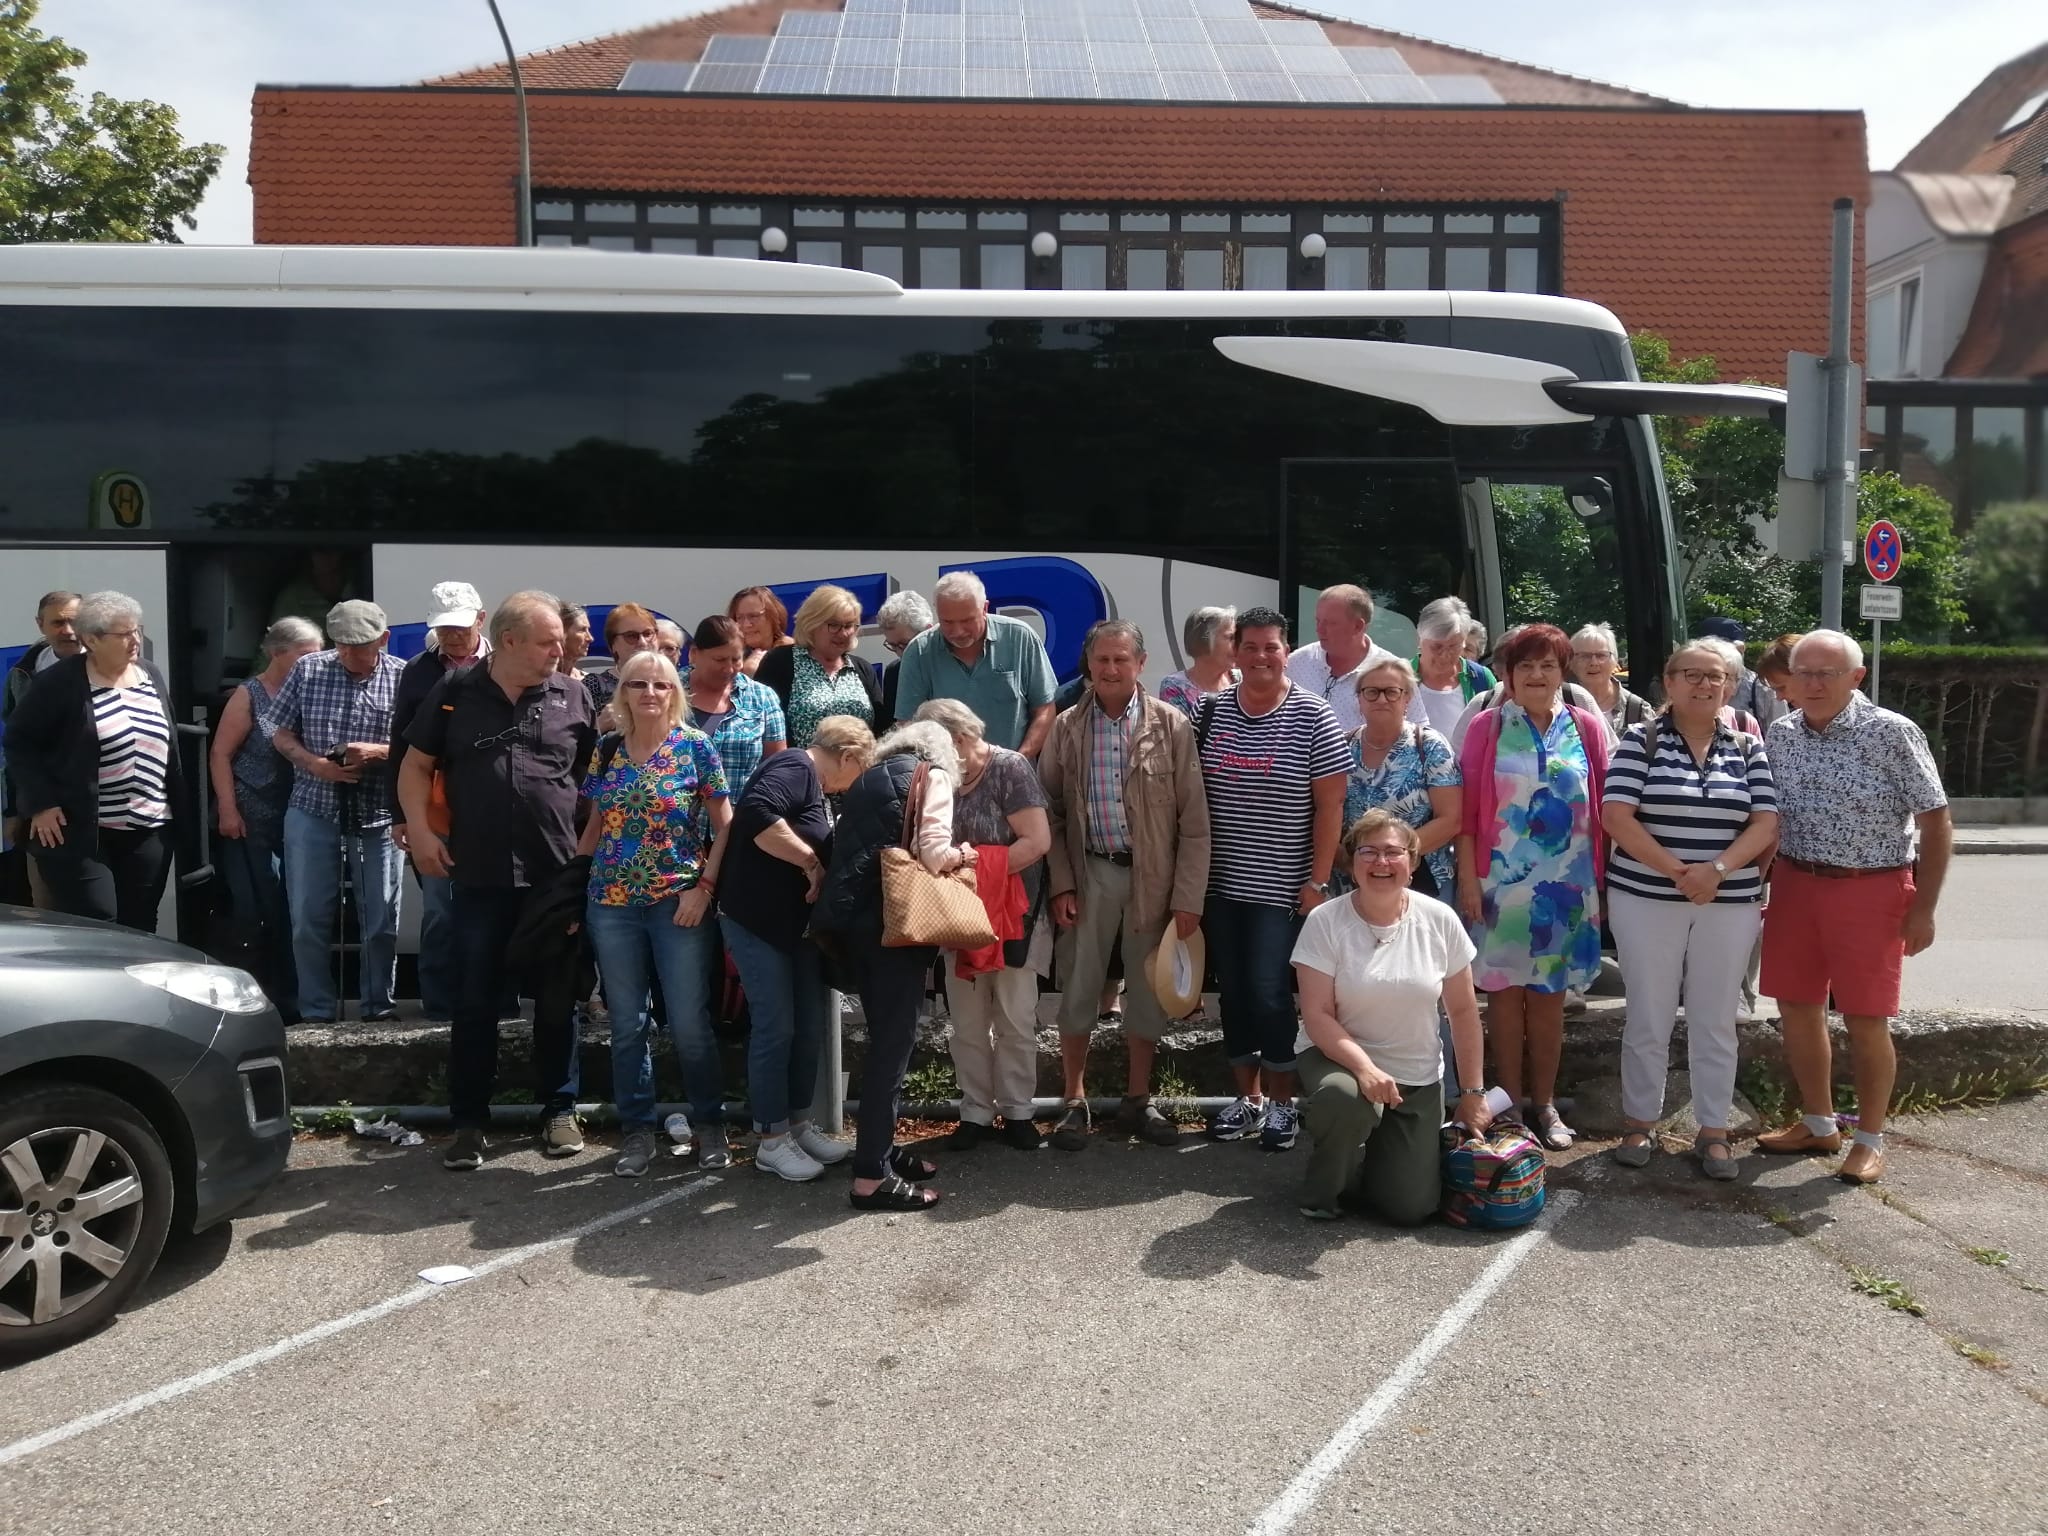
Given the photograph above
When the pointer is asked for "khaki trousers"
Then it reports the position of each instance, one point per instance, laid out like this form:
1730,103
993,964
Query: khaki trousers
995,1042
1103,891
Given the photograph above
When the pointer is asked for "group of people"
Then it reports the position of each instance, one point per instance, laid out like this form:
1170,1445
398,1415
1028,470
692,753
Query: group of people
1363,842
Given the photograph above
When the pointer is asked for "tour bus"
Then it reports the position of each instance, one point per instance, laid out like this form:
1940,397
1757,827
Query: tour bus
197,426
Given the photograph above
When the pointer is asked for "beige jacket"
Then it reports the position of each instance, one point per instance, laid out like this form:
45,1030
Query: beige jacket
1164,802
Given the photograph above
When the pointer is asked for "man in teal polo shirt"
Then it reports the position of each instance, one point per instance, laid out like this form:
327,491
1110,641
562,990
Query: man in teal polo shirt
994,665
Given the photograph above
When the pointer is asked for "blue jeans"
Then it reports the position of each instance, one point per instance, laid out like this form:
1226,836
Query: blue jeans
788,1002
313,853
1252,947
634,945
254,866
437,947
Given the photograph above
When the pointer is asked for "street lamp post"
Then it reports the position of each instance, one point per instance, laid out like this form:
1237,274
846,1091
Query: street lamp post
525,136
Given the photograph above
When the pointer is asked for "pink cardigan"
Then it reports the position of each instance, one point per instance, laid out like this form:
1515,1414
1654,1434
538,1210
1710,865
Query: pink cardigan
1482,803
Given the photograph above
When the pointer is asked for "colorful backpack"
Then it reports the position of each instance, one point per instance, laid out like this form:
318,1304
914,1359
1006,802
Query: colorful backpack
1494,1181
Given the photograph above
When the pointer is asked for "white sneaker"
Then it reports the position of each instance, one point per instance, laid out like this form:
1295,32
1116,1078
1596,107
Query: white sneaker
819,1147
781,1156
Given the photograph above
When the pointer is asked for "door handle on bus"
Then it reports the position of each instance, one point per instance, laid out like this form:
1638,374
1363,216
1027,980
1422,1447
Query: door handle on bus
205,870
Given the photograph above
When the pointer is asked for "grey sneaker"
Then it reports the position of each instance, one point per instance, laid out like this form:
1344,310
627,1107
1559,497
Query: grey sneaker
820,1148
1071,1134
561,1136
713,1151
466,1153
635,1155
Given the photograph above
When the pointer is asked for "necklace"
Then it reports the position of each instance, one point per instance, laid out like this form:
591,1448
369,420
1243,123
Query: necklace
1382,933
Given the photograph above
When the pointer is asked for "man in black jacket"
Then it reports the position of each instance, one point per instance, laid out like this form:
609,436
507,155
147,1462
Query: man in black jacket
20,881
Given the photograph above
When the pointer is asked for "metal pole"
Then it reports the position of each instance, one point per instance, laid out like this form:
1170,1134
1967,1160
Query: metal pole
1838,484
525,135
1876,657
831,1068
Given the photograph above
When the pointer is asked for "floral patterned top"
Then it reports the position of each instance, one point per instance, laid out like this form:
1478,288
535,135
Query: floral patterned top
654,820
813,695
1401,786
1185,694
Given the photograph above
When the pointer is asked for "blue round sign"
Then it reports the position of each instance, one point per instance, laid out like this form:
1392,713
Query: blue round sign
1883,550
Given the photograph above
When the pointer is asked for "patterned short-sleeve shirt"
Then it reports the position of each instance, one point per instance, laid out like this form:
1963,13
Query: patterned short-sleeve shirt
743,732
654,820
813,696
1419,760
1847,795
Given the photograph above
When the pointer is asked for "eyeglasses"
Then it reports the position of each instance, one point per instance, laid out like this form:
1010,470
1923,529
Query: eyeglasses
1373,695
841,626
648,685
1593,655
896,647
122,634
508,737
635,634
1694,676
1818,674
1376,855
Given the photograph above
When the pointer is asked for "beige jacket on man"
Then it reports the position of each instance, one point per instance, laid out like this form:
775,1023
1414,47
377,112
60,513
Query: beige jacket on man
1164,803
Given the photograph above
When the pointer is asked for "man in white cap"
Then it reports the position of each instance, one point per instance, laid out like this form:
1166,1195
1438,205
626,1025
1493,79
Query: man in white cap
455,642
1130,855
332,722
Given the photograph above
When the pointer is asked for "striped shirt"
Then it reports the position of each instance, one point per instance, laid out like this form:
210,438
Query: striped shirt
1696,812
135,757
1109,760
1259,771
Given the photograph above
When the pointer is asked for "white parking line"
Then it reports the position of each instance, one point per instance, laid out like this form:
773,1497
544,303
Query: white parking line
327,1330
1298,1496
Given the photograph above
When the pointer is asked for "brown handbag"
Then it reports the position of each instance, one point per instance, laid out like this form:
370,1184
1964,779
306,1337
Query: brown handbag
921,908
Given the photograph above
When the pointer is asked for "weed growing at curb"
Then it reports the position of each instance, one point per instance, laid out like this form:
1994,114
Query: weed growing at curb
1976,1354
1764,1084
932,1083
1992,1258
1175,1096
1886,1290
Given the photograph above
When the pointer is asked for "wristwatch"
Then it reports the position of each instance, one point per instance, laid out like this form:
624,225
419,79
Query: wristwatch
1720,868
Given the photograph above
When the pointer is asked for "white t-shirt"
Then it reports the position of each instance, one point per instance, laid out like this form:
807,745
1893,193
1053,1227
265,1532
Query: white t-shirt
1310,668
1388,980
1438,708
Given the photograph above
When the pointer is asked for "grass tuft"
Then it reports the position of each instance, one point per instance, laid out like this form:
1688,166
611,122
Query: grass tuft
1991,1258
1886,1290
1977,1354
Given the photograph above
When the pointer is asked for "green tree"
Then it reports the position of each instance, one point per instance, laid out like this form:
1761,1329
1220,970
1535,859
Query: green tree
102,169
2008,560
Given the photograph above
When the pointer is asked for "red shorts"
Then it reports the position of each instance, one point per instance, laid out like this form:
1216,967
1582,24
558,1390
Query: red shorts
1839,936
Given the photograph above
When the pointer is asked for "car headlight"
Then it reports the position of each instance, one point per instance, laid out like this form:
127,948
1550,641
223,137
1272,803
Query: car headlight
211,986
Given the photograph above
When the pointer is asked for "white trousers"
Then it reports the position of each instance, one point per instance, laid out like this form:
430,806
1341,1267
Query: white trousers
995,1042
1669,949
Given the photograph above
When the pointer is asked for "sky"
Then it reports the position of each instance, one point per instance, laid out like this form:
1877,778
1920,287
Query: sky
1902,63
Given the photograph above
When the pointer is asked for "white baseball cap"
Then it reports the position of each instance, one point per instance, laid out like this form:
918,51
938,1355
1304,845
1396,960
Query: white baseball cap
453,604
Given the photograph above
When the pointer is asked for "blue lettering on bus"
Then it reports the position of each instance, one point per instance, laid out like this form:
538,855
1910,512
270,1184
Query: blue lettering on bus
1062,592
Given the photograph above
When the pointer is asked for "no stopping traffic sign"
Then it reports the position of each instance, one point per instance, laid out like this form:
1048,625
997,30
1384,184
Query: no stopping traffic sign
1883,550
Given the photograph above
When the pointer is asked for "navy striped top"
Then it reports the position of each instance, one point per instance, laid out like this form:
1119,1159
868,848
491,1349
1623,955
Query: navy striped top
1696,812
135,757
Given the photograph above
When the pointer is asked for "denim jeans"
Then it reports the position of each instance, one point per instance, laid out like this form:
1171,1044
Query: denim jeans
486,916
789,1004
634,945
313,853
254,866
437,947
1251,945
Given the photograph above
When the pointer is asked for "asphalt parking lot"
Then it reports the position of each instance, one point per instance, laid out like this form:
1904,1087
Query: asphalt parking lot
1132,1338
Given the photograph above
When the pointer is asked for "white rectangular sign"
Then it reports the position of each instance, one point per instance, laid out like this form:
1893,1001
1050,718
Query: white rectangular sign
1882,602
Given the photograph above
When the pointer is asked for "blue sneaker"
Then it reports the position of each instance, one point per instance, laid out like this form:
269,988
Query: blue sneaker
1276,1132
1236,1120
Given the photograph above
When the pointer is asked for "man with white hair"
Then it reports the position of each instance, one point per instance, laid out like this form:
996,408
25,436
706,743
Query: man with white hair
994,664
1849,901
1330,665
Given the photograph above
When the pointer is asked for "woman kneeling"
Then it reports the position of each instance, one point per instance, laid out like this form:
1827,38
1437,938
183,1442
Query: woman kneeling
1372,968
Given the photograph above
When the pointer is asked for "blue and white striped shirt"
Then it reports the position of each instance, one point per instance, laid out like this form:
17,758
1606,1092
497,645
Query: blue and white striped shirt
1695,811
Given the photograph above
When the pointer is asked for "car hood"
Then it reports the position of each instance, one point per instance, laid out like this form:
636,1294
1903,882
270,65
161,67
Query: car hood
25,934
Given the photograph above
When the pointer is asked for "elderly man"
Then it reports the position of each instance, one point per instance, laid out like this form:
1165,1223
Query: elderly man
1329,666
1848,899
512,739
332,722
1130,849
1274,761
56,616
455,642
993,664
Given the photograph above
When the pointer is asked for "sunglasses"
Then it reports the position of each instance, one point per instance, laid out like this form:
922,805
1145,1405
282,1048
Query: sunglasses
648,685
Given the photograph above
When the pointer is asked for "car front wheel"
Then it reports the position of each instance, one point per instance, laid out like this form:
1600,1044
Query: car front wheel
85,1201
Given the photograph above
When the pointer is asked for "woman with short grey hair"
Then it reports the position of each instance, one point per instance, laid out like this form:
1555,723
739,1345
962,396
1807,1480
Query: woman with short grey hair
902,617
1446,681
1595,655
1210,638
1475,640
94,758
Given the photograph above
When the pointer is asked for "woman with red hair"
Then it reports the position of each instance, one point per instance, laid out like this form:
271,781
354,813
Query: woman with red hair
764,624
1530,855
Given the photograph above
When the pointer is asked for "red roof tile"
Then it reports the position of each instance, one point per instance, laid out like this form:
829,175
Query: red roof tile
1710,228
2007,333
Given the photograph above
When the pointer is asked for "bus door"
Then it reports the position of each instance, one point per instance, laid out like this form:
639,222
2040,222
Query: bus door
1397,527
30,571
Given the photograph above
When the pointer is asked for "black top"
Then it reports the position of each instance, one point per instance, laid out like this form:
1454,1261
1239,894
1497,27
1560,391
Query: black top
763,893
777,670
53,754
512,770
414,684
885,712
870,819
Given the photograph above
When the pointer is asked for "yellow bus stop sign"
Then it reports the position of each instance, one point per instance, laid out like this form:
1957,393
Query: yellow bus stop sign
120,502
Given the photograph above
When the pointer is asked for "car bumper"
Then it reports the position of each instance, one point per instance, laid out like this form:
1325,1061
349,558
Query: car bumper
236,1103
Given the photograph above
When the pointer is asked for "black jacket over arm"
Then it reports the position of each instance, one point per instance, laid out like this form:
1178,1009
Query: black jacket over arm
53,755
778,671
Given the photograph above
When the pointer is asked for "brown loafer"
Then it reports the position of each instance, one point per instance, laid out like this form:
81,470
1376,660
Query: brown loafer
1797,1138
1863,1165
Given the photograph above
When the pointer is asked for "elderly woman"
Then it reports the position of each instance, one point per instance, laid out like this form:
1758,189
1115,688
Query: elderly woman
1530,860
1210,639
1594,658
1475,640
575,639
655,835
251,787
902,617
1446,681
848,913
668,639
820,676
782,838
1691,807
1408,770
95,763
743,719
1733,667
1372,969
763,619
999,812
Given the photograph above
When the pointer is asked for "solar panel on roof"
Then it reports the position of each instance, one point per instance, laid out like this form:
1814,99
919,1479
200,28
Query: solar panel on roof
855,7
929,82
1058,56
997,82
1312,61
1120,29
1262,87
1054,29
1187,87
1130,85
933,26
1175,29
656,75
793,80
1219,8
872,24
1375,61
1190,58
866,53
1344,87
801,49
732,48
1122,57
1299,34
934,7
1004,29
1062,84
1394,88
726,79
809,24
1233,29
995,56
1465,90
863,82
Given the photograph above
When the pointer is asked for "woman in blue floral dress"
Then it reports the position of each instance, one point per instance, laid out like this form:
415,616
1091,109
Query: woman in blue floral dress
1530,858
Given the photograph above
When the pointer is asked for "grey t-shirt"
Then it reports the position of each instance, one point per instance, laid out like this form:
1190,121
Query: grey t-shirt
1007,785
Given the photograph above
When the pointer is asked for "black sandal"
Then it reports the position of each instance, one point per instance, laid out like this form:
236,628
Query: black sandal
892,1194
909,1167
